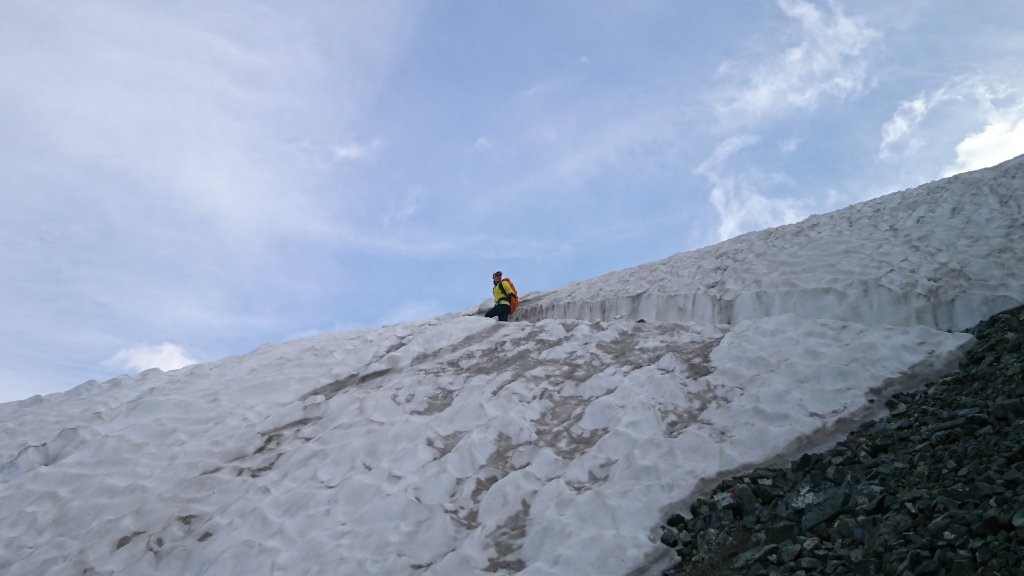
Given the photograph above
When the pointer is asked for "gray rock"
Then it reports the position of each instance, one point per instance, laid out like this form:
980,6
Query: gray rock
670,538
781,532
832,503
1018,518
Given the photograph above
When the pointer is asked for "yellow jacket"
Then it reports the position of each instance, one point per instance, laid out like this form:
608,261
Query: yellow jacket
500,296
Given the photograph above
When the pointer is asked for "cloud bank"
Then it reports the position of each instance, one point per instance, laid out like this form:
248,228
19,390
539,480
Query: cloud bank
164,356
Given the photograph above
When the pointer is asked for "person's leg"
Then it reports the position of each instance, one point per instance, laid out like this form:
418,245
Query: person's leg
499,310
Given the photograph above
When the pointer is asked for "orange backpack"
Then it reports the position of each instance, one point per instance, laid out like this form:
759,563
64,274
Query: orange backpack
513,298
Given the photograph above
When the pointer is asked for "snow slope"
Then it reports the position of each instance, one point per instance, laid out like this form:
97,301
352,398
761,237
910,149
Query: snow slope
547,446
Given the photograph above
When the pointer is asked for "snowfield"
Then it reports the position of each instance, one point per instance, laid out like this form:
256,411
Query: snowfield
548,446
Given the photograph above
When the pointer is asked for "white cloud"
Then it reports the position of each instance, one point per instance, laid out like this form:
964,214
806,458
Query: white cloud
742,208
998,141
403,208
197,112
737,195
165,356
156,166
353,152
827,61
790,145
899,130
726,150
176,104
538,90
966,101
575,143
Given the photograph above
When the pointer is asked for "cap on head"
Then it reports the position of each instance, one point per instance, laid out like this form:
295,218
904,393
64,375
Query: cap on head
496,274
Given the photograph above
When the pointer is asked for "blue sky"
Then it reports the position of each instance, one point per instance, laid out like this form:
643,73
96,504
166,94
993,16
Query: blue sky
181,182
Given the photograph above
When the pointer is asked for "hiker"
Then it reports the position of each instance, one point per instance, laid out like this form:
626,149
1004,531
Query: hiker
505,298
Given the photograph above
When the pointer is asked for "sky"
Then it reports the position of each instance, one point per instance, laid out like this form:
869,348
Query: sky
181,183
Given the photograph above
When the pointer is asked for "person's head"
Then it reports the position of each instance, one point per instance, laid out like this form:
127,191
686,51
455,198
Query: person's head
496,277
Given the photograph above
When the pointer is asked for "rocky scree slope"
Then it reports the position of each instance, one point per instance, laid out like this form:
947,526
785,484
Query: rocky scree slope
936,487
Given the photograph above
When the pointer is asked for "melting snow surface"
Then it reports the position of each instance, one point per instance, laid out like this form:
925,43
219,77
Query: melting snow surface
549,446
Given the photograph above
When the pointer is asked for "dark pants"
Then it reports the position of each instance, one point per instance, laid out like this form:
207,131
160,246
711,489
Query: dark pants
499,310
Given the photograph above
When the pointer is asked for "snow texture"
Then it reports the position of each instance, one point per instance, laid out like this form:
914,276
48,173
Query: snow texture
547,446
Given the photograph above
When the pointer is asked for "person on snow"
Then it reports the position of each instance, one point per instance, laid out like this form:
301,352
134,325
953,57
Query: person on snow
504,293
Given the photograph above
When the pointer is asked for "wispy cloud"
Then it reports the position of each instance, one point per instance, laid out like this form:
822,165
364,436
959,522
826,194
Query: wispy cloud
151,177
539,90
179,109
790,145
822,55
726,150
584,146
738,194
902,134
899,131
354,152
403,208
198,112
825,57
